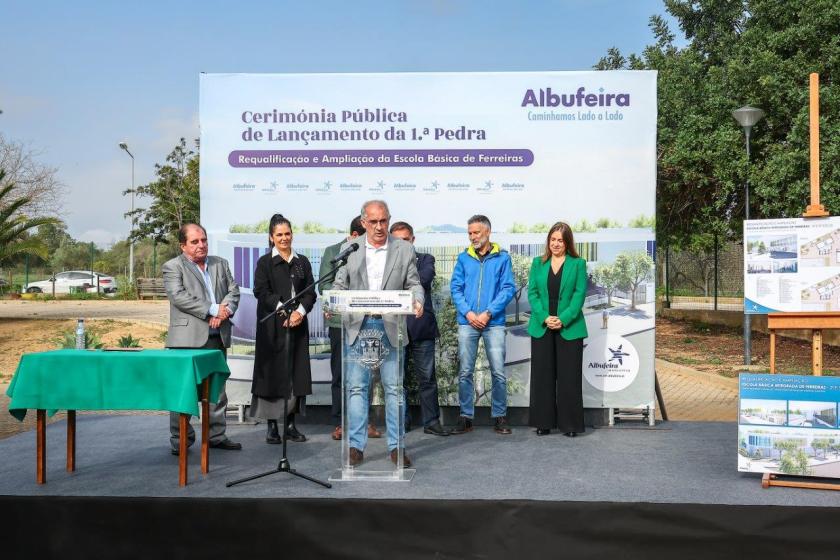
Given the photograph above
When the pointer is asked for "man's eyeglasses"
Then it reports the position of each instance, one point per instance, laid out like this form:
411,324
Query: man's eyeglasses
383,222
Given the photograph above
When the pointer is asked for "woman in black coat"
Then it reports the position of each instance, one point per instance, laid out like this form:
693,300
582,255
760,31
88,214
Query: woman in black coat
280,275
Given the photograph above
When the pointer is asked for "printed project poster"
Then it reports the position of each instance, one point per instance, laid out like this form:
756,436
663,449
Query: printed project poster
525,149
792,265
787,424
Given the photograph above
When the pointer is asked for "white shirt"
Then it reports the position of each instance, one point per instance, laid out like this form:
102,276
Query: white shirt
208,285
292,255
375,261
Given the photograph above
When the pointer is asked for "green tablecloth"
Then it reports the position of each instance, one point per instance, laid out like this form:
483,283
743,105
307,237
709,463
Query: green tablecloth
103,380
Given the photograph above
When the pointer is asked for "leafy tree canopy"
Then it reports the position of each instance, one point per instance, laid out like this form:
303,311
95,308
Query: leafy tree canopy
740,52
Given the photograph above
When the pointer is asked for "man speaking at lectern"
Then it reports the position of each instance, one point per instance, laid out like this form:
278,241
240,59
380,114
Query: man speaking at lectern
382,262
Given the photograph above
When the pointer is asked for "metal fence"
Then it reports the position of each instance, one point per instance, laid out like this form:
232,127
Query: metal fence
702,279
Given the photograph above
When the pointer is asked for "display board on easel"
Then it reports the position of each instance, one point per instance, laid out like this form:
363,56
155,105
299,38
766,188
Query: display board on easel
789,267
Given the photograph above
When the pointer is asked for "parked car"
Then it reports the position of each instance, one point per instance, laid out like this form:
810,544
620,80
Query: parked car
73,280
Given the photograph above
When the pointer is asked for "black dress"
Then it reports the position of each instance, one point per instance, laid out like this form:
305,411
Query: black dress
556,378
274,280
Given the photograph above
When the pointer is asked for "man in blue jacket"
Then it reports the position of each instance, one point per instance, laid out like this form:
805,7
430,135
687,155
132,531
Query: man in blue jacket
482,285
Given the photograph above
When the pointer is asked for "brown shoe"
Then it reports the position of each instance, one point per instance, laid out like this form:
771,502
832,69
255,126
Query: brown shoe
501,426
373,432
336,435
356,457
406,460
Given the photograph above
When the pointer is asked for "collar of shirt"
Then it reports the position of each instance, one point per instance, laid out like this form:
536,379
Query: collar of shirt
276,253
372,248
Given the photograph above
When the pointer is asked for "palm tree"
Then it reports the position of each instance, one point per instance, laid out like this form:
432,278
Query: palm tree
15,227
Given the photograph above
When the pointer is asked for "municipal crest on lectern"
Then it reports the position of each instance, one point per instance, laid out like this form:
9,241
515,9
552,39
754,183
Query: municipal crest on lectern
370,350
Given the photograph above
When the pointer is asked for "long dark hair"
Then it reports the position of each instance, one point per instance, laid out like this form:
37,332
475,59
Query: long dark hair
568,239
275,221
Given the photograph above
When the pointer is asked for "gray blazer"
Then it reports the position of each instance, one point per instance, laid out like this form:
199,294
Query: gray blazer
400,274
189,306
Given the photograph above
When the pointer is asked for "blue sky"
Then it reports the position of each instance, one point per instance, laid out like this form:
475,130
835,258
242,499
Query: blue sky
79,77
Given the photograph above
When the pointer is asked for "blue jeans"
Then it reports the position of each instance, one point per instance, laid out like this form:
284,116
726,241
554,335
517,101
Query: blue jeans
421,353
357,385
494,346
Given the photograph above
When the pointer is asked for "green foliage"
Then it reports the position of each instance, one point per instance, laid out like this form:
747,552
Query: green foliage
317,227
540,227
174,197
67,339
740,52
607,223
633,269
608,277
521,271
642,221
259,227
518,227
584,226
16,237
128,341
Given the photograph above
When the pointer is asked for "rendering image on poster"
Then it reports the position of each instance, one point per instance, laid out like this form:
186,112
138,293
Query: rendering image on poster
787,424
524,149
792,265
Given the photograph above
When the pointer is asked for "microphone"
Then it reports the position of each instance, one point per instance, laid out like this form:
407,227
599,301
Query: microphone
352,248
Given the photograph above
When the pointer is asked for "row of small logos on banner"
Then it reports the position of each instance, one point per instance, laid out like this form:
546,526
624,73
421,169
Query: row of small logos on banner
380,187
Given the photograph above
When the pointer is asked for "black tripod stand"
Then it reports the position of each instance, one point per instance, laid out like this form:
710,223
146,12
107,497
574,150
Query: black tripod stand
286,309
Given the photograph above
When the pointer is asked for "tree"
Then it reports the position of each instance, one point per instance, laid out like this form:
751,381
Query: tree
608,277
34,181
633,269
521,270
175,197
518,228
607,223
739,52
16,228
784,445
584,226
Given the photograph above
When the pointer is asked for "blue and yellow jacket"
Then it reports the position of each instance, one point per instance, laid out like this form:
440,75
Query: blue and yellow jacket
483,285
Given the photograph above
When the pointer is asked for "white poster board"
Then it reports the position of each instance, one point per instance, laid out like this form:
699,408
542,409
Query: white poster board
792,265
526,149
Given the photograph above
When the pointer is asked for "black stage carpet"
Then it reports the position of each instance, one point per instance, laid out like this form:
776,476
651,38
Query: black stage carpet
614,492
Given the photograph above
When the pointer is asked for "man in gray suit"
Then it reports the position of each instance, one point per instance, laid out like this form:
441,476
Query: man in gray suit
383,262
202,299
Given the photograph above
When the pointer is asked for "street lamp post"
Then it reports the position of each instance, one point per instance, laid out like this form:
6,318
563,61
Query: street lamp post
747,117
124,146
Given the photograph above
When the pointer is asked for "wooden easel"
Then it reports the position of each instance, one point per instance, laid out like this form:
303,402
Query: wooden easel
815,321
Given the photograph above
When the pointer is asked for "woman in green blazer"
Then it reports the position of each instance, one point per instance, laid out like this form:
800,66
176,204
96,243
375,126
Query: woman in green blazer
556,291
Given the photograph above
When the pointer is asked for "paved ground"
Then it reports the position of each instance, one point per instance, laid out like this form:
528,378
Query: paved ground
154,311
696,395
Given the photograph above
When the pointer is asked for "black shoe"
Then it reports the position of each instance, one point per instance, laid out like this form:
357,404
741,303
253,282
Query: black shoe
293,434
543,431
463,426
407,426
176,452
436,430
227,445
501,426
570,434
272,435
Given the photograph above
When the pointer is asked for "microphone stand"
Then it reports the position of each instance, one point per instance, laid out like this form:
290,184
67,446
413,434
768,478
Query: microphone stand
287,307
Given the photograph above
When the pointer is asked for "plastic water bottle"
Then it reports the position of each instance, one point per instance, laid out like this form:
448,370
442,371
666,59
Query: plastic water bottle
80,335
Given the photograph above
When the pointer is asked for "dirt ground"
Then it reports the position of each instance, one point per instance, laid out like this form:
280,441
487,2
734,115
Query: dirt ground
720,350
19,336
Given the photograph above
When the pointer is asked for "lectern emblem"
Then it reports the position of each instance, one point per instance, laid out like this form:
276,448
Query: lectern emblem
370,350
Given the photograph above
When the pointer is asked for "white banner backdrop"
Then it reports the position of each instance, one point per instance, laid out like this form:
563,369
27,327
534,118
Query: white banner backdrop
525,149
